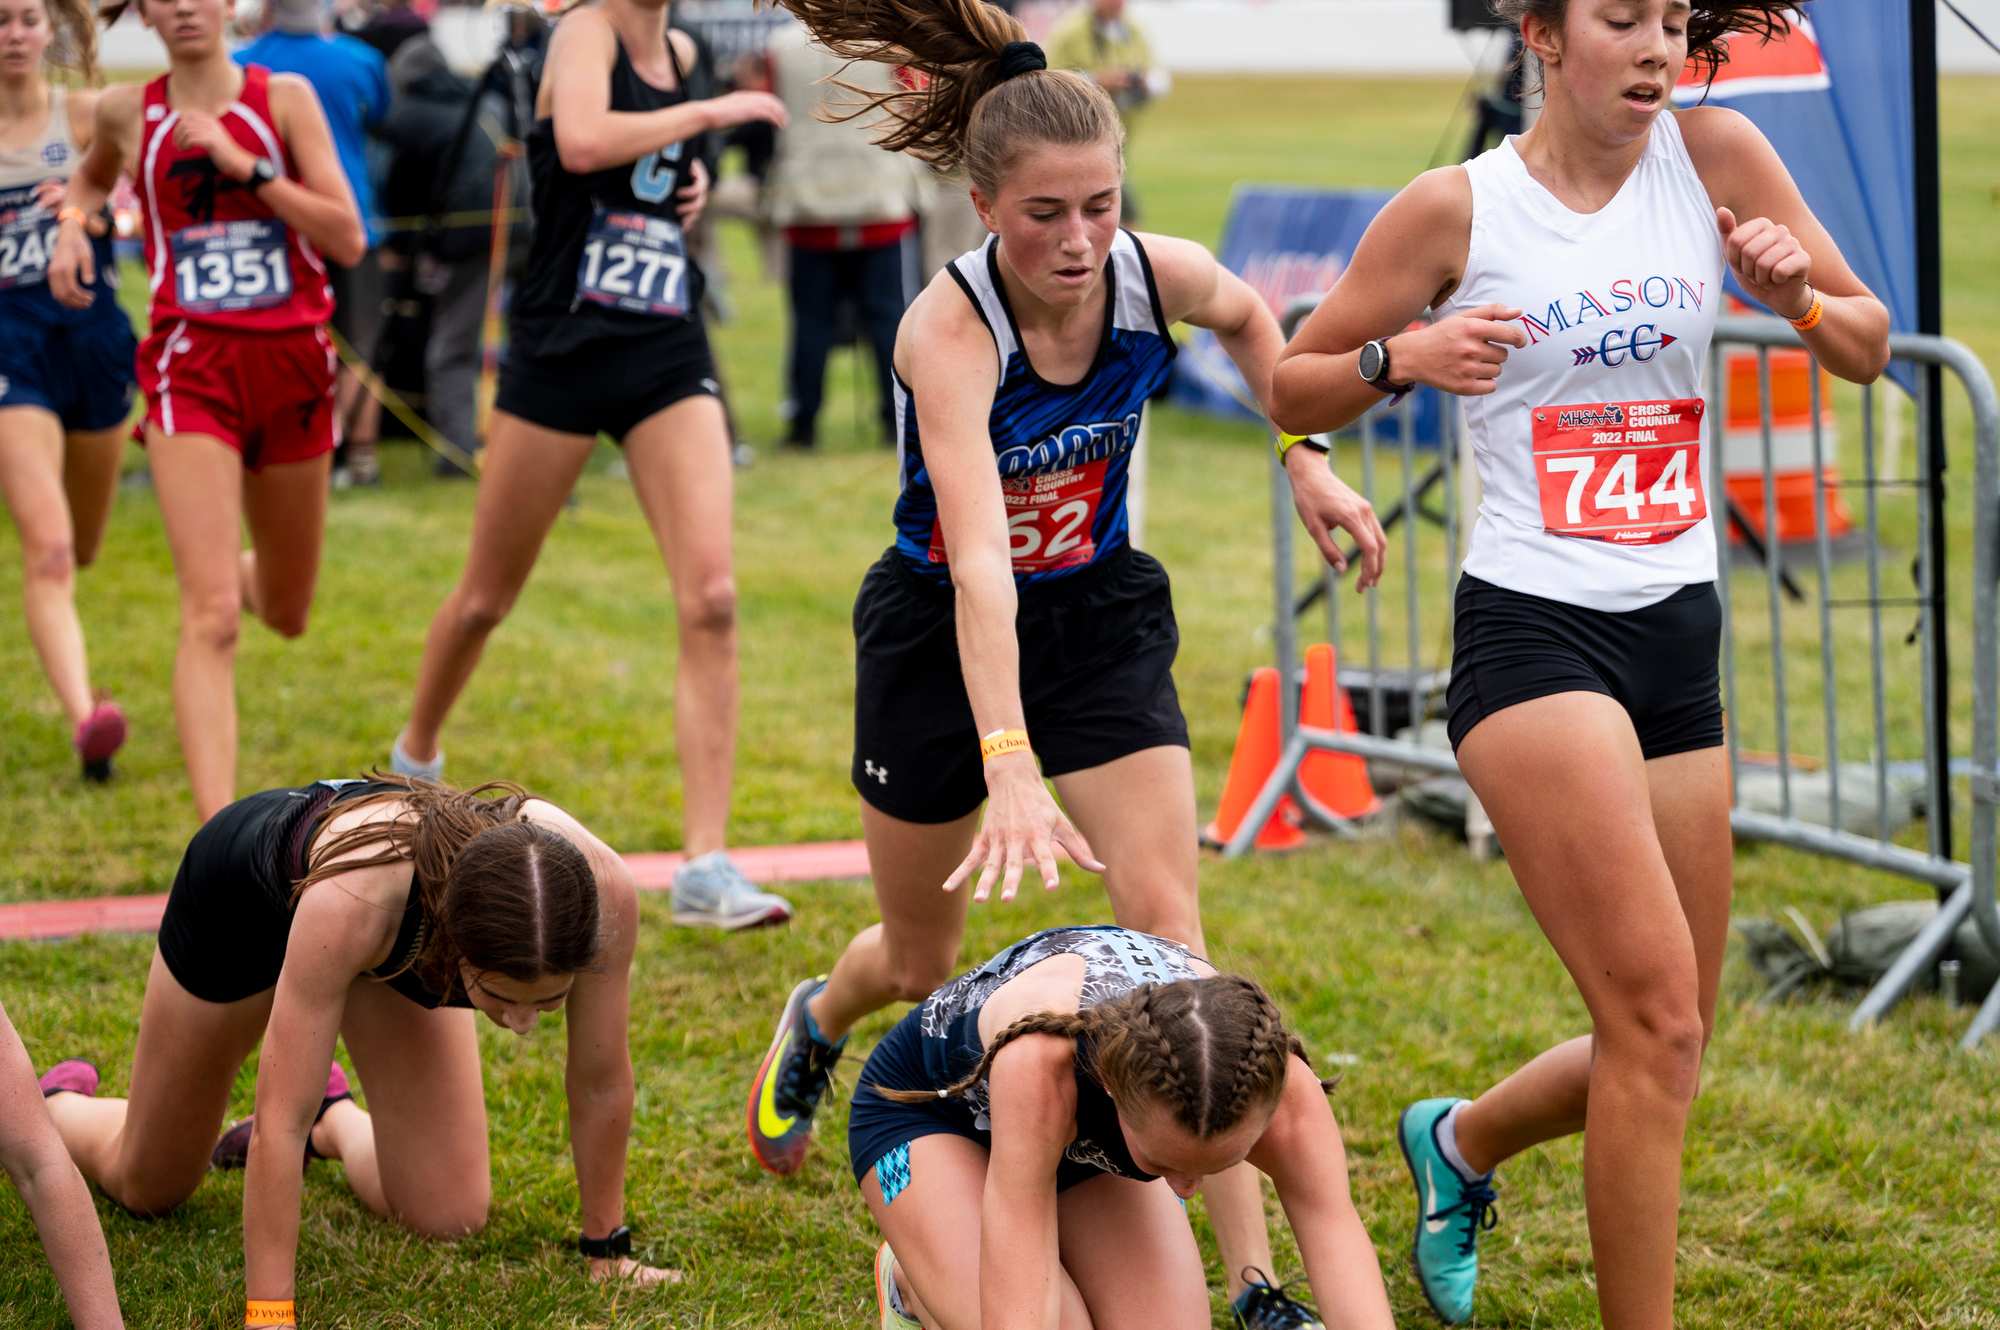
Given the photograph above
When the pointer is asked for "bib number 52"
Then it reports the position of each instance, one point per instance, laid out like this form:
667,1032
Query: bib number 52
1047,534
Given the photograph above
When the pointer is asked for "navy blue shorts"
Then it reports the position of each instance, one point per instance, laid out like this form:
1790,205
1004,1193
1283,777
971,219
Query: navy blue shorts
1659,662
78,368
879,1131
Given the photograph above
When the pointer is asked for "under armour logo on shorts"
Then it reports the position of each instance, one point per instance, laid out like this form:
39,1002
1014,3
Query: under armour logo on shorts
881,774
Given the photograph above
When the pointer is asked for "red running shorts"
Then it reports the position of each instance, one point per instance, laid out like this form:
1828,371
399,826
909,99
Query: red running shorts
268,395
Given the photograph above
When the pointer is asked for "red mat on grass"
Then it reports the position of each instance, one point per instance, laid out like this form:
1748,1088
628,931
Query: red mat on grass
814,862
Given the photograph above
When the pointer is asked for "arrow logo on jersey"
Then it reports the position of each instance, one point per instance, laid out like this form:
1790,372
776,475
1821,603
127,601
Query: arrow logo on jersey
200,181
1616,347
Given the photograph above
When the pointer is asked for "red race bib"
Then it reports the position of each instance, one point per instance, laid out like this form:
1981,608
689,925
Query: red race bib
1050,518
1625,472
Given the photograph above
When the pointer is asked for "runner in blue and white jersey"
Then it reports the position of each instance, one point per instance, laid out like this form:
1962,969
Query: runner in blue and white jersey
1012,619
66,375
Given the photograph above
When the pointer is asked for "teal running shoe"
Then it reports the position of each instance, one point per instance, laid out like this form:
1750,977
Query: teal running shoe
1451,1214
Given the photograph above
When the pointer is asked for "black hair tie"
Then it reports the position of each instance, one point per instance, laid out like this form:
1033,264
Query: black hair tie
1018,58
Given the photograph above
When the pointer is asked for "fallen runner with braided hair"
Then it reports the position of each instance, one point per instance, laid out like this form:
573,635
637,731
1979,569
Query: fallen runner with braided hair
1072,1088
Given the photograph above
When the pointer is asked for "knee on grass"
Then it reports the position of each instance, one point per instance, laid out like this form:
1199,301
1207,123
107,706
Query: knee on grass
445,1218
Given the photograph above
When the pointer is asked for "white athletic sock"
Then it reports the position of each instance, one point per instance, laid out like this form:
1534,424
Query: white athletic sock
1447,1139
896,1297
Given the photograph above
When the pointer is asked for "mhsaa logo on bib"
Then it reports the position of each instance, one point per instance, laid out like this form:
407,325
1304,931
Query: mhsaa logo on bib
1628,473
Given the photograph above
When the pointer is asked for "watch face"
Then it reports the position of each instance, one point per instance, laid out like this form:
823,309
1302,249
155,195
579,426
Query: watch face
1371,361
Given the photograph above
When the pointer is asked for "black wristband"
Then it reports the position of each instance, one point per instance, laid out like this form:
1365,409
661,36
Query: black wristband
616,1243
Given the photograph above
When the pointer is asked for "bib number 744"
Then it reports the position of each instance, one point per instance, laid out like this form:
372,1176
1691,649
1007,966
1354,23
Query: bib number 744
1625,472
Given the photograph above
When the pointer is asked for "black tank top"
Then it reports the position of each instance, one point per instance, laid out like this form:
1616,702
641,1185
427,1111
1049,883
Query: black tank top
606,258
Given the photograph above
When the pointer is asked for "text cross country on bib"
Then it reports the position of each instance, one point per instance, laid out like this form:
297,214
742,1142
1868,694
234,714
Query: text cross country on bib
1624,472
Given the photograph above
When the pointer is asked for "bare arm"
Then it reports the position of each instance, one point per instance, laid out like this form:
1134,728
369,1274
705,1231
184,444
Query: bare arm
1411,258
1302,1154
1032,1098
319,205
114,123
1195,289
54,1192
590,136
1781,254
953,373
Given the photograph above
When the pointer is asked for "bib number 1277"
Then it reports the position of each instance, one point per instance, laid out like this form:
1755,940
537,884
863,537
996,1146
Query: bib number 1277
1624,472
633,261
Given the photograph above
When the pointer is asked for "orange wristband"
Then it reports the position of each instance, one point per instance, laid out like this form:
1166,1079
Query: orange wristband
1810,319
1002,741
72,213
268,1313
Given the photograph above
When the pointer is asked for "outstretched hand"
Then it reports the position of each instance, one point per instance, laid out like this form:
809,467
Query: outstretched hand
1769,261
1326,503
626,1269
1022,825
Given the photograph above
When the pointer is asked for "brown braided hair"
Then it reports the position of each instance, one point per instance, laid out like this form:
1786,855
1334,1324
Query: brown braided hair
1708,26
1208,1050
958,109
505,895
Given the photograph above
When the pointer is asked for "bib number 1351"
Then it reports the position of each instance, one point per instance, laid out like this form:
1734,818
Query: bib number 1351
1624,472
237,265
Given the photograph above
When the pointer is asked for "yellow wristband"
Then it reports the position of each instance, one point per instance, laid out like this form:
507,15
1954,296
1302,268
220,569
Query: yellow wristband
1810,319
1002,741
1286,442
72,213
268,1313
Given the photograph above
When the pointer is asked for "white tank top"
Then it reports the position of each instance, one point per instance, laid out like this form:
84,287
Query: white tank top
52,156
1591,450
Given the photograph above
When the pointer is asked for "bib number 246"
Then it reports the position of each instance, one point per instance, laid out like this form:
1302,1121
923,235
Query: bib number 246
1624,472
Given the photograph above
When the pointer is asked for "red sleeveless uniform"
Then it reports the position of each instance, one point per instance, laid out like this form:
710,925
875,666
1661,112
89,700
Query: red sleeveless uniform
237,348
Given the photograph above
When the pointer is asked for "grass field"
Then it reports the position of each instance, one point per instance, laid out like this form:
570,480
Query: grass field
1831,1182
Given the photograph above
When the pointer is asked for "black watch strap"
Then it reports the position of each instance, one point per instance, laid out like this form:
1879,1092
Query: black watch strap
262,172
614,1244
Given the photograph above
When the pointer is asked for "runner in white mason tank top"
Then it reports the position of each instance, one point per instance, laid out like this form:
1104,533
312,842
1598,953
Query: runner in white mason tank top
1575,273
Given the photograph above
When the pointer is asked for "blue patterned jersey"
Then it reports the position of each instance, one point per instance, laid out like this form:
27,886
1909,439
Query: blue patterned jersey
1064,451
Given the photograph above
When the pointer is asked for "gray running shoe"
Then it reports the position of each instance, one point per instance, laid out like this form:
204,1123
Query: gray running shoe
403,764
711,892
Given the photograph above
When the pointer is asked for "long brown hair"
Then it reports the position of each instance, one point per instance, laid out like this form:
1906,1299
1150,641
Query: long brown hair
1208,1050
72,47
964,110
505,895
1708,27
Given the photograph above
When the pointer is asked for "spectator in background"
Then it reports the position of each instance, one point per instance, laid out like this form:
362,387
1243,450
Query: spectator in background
1097,39
392,24
847,209
352,81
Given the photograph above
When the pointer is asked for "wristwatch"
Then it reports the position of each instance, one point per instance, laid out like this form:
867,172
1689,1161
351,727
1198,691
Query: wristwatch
1375,367
262,173
616,1243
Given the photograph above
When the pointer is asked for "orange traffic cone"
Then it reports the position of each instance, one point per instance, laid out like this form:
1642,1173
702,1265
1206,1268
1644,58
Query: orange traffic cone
1256,755
1337,780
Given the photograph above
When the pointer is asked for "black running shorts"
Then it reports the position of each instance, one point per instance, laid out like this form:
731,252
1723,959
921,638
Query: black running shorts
1097,656
609,385
1659,663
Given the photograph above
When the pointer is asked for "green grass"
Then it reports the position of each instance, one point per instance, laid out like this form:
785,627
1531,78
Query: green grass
1831,1181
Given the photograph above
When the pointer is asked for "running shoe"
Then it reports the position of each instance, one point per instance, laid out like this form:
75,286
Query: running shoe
711,892
1451,1214
885,1279
233,1150
789,1085
76,1075
98,736
1267,1306
403,764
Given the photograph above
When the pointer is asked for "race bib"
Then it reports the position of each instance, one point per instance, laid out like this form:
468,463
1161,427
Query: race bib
633,261
1625,472
1050,518
27,239
227,266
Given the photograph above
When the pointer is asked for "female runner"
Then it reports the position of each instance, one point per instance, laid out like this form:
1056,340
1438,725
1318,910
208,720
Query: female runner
242,191
1012,1134
65,375
1584,673
606,338
421,902
1012,605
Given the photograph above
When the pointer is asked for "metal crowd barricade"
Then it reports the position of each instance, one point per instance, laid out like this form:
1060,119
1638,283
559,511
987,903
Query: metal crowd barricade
1969,887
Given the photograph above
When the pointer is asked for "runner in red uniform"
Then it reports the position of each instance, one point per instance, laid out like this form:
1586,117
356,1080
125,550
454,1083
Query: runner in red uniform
241,193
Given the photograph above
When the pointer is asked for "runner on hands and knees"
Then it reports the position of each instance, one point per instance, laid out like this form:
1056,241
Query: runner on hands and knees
414,904
1012,614
241,191
65,374
605,336
1575,273
1021,1138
